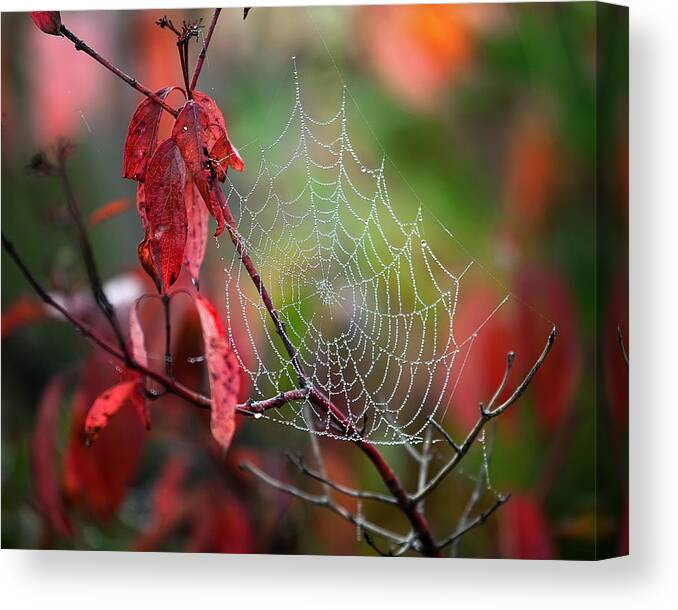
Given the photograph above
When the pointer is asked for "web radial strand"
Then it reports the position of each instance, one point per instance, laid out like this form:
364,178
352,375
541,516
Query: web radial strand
367,302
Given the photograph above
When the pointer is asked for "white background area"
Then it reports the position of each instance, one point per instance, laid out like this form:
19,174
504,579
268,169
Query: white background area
647,579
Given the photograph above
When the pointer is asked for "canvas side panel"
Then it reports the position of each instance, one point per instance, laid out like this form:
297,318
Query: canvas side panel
612,268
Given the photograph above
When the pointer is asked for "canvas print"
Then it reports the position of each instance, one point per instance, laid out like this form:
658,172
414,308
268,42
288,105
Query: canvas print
343,280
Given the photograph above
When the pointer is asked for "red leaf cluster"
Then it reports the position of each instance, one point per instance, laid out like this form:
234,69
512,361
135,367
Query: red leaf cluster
173,177
109,402
96,478
213,519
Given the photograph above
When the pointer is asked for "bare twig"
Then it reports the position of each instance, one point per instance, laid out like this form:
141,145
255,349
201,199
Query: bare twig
486,414
479,520
370,541
620,338
355,493
445,433
254,409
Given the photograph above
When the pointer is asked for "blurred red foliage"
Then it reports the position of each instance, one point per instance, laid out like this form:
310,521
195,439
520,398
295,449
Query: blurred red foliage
531,170
524,532
61,111
549,295
420,50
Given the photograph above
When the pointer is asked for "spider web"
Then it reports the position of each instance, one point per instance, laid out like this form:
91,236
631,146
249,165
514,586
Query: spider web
366,300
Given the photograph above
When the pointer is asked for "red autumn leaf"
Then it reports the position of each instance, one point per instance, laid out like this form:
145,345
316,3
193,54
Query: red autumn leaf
196,240
48,21
191,131
142,136
216,125
223,155
216,138
109,210
224,372
43,448
167,223
106,405
96,479
524,532
146,260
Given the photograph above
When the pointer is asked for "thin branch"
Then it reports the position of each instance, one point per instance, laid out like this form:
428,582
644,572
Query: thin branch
87,252
445,433
406,546
620,338
520,390
510,358
254,409
354,493
370,541
323,502
479,520
49,300
81,45
486,414
203,53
